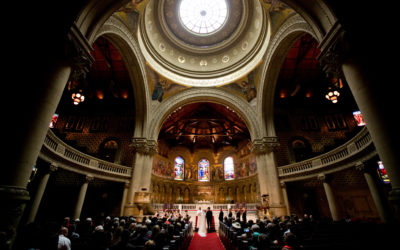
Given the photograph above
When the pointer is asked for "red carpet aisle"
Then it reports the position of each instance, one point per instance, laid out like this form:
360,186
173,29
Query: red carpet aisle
211,242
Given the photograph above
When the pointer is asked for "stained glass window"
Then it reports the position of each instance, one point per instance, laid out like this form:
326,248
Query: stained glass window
204,170
229,170
179,168
382,173
203,17
359,118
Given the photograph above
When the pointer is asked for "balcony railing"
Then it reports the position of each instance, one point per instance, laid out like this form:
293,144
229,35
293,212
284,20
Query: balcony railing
55,150
74,160
352,151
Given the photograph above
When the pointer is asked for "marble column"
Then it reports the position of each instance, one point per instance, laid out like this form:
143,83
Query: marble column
140,184
81,197
376,196
285,197
38,89
268,174
329,196
371,83
39,193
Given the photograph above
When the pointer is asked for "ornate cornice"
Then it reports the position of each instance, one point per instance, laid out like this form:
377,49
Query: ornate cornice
264,145
144,146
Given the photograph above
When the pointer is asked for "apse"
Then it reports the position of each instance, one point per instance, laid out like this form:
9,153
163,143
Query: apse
204,156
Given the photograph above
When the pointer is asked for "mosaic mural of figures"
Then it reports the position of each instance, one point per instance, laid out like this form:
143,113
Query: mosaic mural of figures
163,167
252,166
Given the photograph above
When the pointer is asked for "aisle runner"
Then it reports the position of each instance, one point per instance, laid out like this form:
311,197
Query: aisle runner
211,242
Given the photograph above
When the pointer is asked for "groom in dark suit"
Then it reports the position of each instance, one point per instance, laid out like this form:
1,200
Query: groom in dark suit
209,216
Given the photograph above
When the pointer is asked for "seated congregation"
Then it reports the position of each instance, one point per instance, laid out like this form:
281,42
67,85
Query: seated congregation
167,230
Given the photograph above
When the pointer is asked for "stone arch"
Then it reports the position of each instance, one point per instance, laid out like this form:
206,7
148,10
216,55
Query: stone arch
94,13
299,149
293,28
120,36
193,95
107,149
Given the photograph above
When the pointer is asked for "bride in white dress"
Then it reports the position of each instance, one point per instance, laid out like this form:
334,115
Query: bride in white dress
201,220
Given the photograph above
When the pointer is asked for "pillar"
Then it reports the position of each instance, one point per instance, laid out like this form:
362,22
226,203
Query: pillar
139,189
38,90
39,193
285,197
81,197
329,196
268,174
371,83
124,197
373,188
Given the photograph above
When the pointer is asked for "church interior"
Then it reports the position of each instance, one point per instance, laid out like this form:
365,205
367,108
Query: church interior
142,108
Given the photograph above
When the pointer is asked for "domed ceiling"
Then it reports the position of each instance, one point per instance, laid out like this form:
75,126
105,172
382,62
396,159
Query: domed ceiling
181,48
181,51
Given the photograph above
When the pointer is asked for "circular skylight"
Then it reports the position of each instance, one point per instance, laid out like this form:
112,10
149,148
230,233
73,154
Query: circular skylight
203,16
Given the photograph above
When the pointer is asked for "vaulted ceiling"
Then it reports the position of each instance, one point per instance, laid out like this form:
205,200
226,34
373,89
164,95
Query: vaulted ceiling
204,125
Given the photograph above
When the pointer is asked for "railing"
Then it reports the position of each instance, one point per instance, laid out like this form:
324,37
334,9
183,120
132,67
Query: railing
73,159
340,154
82,163
250,207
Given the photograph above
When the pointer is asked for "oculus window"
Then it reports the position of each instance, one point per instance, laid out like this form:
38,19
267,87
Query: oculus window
203,16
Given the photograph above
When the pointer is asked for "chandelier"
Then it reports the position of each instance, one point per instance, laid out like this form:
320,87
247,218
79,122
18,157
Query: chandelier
76,88
333,90
77,97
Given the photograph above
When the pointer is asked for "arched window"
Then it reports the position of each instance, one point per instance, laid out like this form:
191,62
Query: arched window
179,168
229,171
204,170
109,150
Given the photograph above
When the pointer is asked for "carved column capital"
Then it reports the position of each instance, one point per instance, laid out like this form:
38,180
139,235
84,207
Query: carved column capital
77,51
360,166
322,177
53,168
283,184
334,50
264,145
89,178
144,146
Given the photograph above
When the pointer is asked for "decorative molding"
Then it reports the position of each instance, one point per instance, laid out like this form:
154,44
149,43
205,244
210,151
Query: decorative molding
144,146
264,145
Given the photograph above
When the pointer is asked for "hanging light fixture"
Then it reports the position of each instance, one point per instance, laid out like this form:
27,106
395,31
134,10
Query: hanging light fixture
77,97
332,95
333,90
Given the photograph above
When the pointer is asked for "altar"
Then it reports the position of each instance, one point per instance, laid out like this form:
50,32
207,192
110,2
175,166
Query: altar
191,209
